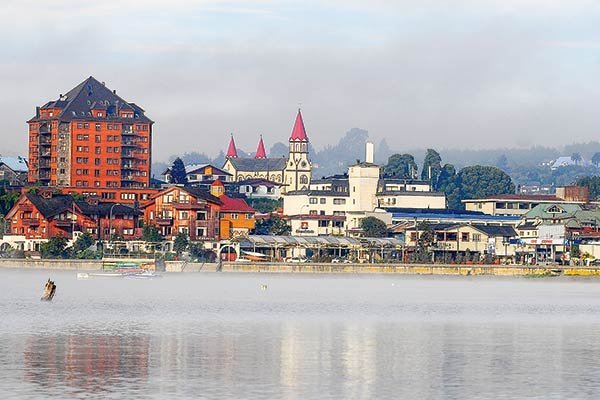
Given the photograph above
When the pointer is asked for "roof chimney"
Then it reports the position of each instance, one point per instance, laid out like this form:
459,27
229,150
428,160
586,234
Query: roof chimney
369,153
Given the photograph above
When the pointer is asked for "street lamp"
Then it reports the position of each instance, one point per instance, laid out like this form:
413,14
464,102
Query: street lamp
110,216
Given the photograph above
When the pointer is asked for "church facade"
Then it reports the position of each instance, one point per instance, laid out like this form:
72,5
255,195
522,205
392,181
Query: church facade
292,172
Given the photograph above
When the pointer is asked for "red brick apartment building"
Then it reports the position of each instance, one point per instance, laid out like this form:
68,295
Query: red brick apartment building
90,138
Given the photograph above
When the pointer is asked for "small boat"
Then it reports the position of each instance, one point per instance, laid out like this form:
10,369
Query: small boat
143,275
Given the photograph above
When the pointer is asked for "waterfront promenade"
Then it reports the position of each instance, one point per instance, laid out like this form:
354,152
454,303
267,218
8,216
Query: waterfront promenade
323,268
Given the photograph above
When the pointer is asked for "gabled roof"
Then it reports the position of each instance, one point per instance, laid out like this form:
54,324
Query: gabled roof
90,94
231,150
17,164
260,151
258,164
298,131
231,204
544,211
60,203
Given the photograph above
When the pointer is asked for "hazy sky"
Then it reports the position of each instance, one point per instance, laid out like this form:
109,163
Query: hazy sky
440,73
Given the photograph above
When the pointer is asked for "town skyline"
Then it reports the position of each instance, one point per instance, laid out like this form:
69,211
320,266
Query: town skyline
219,68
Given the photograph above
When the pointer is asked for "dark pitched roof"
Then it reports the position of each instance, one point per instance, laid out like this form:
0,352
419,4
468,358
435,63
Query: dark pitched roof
258,164
496,230
202,194
89,94
52,206
59,203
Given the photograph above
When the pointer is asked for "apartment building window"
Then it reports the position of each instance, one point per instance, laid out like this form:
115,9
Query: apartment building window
184,229
127,196
97,173
96,161
312,200
167,198
97,139
339,201
312,212
200,215
62,171
109,127
322,200
128,231
97,183
323,223
97,150
201,232
98,127
80,126
183,215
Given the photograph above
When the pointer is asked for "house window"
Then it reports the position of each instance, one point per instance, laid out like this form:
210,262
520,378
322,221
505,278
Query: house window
201,232
183,215
339,201
322,200
477,237
234,216
184,229
312,200
464,236
200,215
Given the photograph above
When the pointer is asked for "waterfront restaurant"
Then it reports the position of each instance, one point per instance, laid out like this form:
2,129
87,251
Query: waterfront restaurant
322,248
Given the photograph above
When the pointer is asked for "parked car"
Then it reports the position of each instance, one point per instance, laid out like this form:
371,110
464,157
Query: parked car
296,259
341,260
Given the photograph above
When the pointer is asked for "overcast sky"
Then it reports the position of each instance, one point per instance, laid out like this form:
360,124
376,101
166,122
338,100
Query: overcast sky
441,74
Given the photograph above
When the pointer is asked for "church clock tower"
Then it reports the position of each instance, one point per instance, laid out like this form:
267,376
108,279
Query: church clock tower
298,169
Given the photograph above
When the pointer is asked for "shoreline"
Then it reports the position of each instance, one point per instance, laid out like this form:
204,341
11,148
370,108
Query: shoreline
320,268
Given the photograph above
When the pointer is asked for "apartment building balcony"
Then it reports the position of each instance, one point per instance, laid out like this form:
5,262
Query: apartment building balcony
44,164
30,221
128,166
127,177
44,176
63,223
188,206
26,207
128,132
127,154
45,153
45,141
128,143
164,221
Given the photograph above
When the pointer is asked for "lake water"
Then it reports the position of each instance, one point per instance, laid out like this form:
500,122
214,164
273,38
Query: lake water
219,336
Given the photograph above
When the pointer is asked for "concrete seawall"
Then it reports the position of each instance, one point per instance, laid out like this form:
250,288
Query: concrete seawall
413,269
325,268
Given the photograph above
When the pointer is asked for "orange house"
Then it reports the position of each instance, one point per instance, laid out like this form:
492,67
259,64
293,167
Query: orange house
236,217
188,210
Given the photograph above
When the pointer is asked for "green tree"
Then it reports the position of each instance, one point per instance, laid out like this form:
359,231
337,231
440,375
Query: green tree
592,183
400,166
432,166
576,157
596,159
373,227
480,181
180,243
264,205
55,247
272,226
424,241
82,243
151,234
178,174
8,200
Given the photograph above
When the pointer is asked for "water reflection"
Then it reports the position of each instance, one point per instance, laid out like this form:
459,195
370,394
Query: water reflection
325,339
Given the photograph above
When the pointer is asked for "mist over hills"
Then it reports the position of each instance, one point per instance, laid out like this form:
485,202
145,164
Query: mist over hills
351,147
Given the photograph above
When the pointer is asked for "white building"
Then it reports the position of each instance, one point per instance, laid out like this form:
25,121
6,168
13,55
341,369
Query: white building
354,195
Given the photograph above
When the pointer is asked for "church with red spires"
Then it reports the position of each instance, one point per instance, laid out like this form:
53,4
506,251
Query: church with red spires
292,172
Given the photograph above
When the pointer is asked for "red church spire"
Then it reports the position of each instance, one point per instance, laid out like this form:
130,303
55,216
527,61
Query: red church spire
260,151
231,151
298,132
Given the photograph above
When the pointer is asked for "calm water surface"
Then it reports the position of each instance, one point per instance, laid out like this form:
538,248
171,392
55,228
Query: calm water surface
305,337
